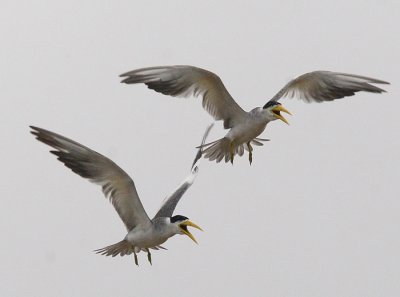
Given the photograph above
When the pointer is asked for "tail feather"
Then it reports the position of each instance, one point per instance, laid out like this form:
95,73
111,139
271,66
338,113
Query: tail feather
124,248
219,150
158,247
121,248
240,150
258,141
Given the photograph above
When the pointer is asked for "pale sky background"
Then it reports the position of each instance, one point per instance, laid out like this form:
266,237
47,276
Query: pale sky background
317,214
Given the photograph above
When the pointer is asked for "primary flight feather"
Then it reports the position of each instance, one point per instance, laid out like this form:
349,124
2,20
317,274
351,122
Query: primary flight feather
245,127
143,233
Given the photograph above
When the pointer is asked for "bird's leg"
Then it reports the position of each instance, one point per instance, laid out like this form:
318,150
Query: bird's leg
149,256
136,260
250,152
232,151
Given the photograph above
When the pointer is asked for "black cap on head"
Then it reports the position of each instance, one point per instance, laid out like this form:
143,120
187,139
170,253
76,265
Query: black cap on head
271,103
178,218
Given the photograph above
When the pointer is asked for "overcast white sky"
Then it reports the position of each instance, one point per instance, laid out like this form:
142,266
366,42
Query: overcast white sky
317,214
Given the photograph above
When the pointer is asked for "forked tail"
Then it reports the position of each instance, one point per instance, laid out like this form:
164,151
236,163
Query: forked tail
218,150
223,148
123,248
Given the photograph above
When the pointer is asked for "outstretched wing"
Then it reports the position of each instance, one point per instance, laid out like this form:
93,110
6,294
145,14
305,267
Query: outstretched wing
184,81
320,86
169,204
116,184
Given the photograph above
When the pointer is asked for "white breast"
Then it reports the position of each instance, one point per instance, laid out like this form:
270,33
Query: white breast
247,130
148,237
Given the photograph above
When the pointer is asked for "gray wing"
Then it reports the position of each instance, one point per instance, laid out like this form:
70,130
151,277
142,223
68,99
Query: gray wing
116,184
169,204
320,86
184,81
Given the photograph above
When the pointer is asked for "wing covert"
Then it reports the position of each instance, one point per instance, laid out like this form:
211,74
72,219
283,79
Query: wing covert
185,81
116,184
320,86
169,204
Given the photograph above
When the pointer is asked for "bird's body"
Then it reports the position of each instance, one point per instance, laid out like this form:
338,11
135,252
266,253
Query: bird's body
245,127
142,238
254,123
239,138
143,233
151,236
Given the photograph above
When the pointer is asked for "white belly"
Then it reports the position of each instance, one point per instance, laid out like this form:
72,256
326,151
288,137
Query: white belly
146,238
247,131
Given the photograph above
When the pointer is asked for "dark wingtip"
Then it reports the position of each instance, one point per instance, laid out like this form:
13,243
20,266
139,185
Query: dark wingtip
201,147
198,156
35,131
127,80
377,90
378,81
125,74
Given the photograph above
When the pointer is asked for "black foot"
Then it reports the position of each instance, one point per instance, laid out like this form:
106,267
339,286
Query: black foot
250,152
149,256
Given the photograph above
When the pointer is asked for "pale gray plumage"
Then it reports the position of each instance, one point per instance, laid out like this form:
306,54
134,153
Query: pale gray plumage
185,81
320,86
169,204
317,86
116,183
120,189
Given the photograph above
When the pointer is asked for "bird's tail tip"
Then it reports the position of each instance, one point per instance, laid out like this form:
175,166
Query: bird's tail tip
121,248
218,150
223,148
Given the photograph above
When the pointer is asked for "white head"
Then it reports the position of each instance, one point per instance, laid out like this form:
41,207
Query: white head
180,224
272,111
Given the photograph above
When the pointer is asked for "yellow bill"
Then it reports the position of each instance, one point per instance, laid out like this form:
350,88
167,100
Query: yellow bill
277,112
185,230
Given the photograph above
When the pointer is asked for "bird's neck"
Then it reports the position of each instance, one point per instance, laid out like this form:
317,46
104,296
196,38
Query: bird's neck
261,114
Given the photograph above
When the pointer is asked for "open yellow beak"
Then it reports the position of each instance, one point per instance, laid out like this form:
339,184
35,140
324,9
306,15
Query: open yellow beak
184,229
277,112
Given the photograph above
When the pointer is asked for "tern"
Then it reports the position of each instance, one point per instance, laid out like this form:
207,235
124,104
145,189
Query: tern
143,233
186,81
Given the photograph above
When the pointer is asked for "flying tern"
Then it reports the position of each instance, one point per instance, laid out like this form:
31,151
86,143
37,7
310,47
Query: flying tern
245,127
143,233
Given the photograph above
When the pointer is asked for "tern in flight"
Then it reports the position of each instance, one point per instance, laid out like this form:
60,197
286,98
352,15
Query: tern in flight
245,127
143,233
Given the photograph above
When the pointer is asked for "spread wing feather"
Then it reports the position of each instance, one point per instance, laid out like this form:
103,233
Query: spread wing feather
320,86
116,184
185,81
169,204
